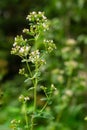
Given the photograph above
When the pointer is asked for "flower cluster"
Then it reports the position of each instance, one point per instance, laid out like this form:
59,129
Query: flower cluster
19,40
25,30
15,124
71,42
35,58
37,17
58,75
73,64
68,92
22,98
49,45
21,51
66,96
20,46
70,66
23,72
38,22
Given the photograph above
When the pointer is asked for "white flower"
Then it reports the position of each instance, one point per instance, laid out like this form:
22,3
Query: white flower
71,41
69,92
26,98
44,17
71,63
44,25
33,12
39,12
60,79
21,50
15,43
25,30
34,56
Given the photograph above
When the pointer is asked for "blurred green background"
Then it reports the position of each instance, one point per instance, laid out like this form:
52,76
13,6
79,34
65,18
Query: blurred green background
68,20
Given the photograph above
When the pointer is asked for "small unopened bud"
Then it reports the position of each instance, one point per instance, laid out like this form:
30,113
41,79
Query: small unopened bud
21,98
53,87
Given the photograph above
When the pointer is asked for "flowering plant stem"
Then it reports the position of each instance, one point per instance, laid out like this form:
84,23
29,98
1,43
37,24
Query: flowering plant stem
35,82
35,97
26,117
32,56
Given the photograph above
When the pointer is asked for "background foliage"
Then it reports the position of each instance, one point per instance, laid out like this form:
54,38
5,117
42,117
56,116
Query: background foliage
66,67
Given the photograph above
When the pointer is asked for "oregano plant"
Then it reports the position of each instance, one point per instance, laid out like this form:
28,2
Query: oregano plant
33,47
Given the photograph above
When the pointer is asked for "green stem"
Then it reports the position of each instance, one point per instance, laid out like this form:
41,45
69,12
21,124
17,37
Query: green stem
32,123
35,94
26,117
29,71
35,99
29,68
44,107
